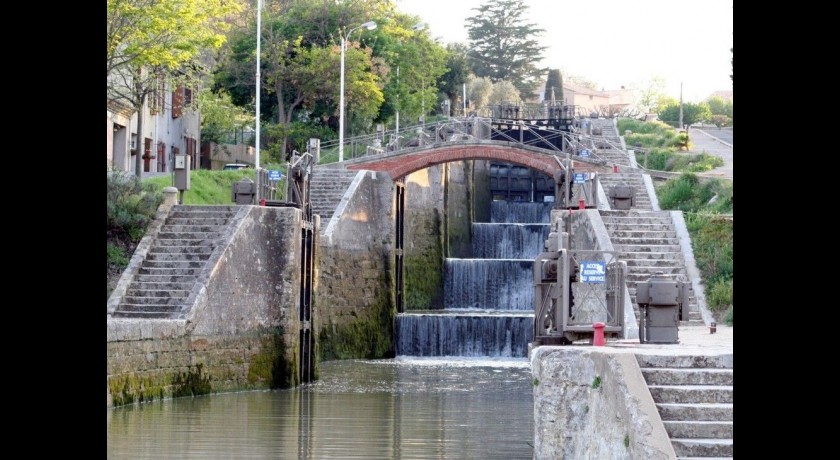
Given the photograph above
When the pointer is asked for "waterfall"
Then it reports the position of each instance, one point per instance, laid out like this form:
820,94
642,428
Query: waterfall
489,297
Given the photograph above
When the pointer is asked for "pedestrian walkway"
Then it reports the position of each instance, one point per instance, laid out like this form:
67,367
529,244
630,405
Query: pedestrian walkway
702,141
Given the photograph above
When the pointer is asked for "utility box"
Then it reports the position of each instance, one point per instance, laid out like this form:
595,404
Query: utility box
182,172
244,191
622,197
663,303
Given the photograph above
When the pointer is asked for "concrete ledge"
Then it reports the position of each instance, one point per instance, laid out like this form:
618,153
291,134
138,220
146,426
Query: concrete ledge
120,330
593,402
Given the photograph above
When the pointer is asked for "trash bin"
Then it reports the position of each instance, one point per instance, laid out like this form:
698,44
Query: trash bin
661,301
621,197
244,191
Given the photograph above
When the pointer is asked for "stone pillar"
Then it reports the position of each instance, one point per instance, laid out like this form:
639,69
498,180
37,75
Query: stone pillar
170,198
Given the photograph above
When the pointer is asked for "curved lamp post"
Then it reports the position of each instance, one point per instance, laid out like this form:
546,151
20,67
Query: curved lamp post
370,25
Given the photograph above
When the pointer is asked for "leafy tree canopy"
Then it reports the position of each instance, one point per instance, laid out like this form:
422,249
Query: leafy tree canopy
505,47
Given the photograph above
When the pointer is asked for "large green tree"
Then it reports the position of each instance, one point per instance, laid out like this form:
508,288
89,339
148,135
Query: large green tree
691,113
150,42
456,75
504,46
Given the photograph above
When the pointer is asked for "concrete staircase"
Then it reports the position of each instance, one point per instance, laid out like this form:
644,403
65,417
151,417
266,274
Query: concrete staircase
608,142
694,397
641,199
174,261
648,242
326,188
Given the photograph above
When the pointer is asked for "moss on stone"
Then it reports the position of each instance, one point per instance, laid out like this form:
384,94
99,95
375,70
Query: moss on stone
369,336
131,388
271,364
191,382
423,273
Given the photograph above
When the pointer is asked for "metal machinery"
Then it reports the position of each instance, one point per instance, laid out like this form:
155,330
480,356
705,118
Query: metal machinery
575,289
622,197
661,302
573,189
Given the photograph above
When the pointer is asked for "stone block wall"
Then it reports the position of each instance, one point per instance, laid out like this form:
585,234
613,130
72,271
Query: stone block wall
241,332
594,403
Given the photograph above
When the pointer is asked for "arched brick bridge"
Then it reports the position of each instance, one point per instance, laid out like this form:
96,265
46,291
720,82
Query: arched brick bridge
408,160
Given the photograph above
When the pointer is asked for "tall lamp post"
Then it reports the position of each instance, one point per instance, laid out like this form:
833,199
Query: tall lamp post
415,27
370,25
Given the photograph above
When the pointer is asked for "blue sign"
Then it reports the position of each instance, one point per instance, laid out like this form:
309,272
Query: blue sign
592,271
275,174
584,153
580,178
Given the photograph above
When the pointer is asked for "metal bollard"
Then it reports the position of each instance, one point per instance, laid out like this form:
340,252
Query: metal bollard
598,340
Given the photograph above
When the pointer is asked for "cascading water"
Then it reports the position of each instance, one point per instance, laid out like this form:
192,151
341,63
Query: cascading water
489,298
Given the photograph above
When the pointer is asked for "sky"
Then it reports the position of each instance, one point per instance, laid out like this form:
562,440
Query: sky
615,43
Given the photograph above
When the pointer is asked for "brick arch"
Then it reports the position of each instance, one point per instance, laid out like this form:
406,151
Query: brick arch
403,163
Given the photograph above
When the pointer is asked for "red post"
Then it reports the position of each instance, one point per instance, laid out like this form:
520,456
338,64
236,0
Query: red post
615,168
598,340
262,201
581,204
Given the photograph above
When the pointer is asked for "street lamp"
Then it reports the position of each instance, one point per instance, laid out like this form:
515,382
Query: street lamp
370,25
415,27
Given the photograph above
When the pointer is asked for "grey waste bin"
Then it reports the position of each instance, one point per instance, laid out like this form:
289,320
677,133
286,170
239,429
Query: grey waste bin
621,196
244,191
661,301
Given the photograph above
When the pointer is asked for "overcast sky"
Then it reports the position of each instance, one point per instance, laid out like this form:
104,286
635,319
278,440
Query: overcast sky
615,43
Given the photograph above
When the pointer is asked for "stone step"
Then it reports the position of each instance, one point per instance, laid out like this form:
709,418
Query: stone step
637,226
196,249
178,256
209,237
646,248
169,273
706,429
687,376
702,447
695,412
165,278
643,235
631,213
653,219
621,241
175,264
191,229
154,301
144,308
693,394
674,262
145,314
202,213
651,255
165,285
142,292
197,221
638,274
175,242
723,361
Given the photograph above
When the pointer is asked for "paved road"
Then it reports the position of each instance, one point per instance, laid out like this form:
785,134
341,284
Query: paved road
716,142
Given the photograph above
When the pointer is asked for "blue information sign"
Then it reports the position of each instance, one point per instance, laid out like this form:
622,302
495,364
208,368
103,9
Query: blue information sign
580,178
275,174
593,271
584,153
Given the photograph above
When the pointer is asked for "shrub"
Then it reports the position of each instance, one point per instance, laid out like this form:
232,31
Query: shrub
131,205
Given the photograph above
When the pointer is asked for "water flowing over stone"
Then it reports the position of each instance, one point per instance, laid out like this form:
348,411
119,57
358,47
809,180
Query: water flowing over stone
488,298
508,241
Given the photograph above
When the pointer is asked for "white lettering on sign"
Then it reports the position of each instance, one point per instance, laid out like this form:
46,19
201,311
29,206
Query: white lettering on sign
593,272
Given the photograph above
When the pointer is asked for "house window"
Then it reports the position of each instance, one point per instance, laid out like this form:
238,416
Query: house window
157,98
177,101
188,97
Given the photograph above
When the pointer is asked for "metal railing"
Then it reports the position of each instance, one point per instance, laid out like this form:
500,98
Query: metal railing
458,130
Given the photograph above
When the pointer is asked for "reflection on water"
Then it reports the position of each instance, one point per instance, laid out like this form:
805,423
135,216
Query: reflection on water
405,408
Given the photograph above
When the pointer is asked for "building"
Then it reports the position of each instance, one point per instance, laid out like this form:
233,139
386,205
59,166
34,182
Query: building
170,127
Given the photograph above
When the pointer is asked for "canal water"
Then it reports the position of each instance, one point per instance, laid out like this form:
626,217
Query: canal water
459,388
402,408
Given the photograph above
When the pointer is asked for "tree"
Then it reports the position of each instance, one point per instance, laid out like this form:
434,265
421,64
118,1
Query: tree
151,43
505,47
648,96
691,113
457,73
503,91
554,82
479,90
219,117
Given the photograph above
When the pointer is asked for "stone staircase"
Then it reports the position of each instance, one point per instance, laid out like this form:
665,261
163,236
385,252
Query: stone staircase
694,397
326,188
174,261
608,142
641,199
648,242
